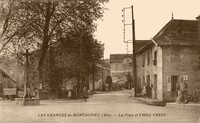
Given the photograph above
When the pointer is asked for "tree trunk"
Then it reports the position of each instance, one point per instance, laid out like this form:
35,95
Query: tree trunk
46,40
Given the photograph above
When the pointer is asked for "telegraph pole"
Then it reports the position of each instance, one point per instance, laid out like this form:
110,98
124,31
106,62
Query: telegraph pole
134,54
134,73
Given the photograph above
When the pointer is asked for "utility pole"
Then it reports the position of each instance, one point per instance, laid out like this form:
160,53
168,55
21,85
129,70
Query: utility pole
133,44
134,54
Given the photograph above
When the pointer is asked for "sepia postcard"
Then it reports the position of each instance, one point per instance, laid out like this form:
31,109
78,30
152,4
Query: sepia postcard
99,61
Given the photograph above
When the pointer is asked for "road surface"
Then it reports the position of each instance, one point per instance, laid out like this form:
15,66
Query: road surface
110,107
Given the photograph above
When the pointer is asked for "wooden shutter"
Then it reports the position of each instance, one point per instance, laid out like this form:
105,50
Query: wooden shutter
169,84
155,81
181,78
186,77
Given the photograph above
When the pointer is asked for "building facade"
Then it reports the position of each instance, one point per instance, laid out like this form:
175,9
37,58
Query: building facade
170,59
120,65
100,81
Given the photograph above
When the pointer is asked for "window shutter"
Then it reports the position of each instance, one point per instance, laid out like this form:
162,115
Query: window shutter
186,77
181,78
155,81
142,81
169,84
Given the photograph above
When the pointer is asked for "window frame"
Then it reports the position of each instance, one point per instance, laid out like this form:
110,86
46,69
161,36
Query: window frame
143,60
155,58
148,58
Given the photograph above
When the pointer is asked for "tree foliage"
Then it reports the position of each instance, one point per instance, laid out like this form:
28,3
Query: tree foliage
34,25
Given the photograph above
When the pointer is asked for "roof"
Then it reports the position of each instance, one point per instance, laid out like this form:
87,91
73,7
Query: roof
6,75
102,67
179,32
141,43
116,58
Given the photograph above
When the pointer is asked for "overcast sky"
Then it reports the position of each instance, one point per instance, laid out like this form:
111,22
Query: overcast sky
150,16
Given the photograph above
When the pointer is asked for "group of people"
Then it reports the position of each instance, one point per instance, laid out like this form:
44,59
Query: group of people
184,97
146,91
182,94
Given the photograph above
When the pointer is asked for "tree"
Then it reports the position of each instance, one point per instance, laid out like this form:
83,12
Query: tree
34,25
77,58
63,62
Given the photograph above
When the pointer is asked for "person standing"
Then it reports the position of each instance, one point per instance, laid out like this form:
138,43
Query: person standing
109,83
144,91
185,93
85,93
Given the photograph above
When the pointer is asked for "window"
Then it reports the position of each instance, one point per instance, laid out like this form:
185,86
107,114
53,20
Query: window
172,83
148,80
139,83
184,78
155,58
148,58
143,81
143,60
174,80
116,67
155,82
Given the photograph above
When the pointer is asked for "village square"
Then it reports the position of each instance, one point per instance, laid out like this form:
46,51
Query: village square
55,67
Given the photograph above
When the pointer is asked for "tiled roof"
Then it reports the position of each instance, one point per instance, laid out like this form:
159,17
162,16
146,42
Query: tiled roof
116,58
141,43
179,32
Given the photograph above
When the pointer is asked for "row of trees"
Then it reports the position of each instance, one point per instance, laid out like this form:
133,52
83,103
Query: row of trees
59,34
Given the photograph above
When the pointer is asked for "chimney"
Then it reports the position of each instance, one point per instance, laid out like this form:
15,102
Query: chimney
198,17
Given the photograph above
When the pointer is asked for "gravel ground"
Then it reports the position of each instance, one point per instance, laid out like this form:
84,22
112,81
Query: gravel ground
111,107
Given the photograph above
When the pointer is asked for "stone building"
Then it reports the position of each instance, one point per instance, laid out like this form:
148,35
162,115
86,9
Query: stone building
122,65
5,82
100,77
170,58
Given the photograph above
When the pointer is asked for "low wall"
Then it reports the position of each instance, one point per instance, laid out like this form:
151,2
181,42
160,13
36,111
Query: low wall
27,102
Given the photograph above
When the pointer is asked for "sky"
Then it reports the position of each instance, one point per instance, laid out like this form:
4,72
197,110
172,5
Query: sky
150,16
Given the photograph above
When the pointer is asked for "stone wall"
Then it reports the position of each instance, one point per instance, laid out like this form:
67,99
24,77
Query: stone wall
151,70
179,60
159,71
139,70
